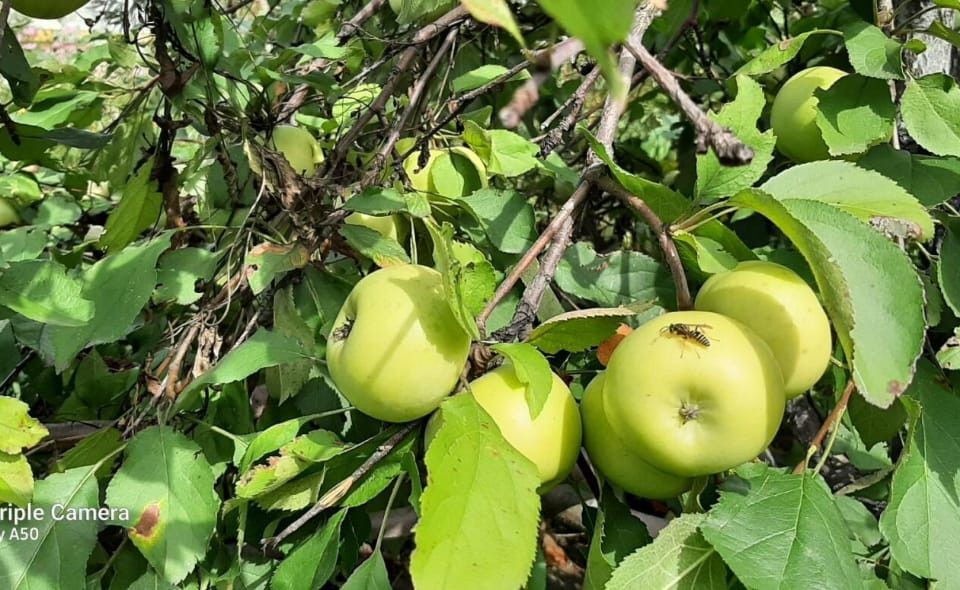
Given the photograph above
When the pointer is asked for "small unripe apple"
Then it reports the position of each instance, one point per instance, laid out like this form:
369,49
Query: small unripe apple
450,172
551,440
616,461
299,147
386,226
8,214
396,350
783,310
694,393
794,114
47,9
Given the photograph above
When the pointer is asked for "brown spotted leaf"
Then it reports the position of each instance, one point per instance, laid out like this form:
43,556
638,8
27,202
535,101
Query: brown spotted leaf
166,485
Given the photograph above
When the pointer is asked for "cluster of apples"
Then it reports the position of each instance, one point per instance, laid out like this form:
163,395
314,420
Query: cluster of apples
687,394
693,393
395,352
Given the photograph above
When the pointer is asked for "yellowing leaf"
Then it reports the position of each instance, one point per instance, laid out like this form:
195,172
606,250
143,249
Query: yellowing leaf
18,430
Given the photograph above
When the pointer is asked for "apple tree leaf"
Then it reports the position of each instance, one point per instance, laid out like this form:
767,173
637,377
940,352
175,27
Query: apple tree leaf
377,201
468,531
504,152
678,558
263,349
57,558
178,273
670,205
614,279
862,193
311,564
855,113
16,480
779,54
287,379
868,285
455,276
268,261
506,218
599,25
930,108
42,291
496,13
531,369
923,515
369,575
872,53
616,534
119,286
932,180
780,530
166,485
383,251
948,268
576,331
18,429
138,209
715,180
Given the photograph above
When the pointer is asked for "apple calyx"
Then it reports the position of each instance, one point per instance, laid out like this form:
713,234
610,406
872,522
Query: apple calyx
689,412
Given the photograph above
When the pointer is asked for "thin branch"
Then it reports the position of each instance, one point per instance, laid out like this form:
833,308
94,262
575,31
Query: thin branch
526,313
662,231
347,30
831,421
559,230
339,491
350,28
527,95
456,105
531,255
416,95
389,87
575,103
728,147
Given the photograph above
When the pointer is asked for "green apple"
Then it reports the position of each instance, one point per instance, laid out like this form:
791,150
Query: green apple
387,226
551,440
299,147
47,9
689,407
782,309
395,349
450,172
616,461
8,214
419,175
794,114
457,172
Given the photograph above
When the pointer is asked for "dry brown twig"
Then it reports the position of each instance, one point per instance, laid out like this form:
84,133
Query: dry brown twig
728,147
544,63
558,232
